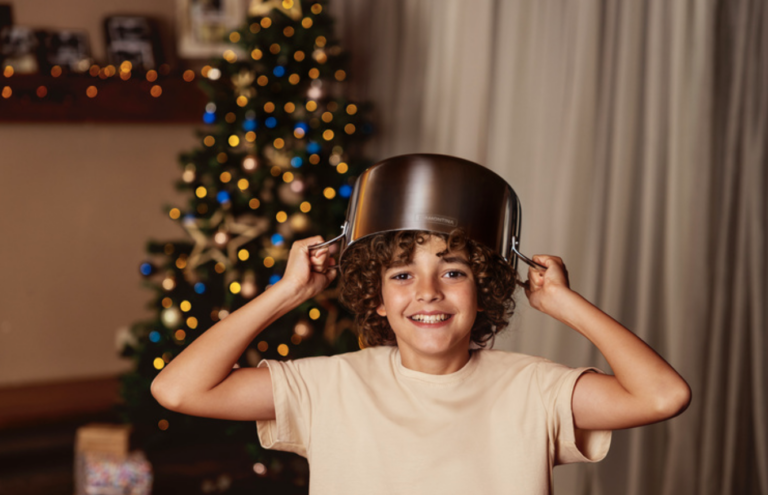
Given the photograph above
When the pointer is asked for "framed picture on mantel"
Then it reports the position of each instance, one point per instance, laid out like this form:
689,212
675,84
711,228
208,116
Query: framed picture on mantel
203,26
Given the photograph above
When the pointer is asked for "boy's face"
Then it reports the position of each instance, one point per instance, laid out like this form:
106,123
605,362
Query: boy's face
443,285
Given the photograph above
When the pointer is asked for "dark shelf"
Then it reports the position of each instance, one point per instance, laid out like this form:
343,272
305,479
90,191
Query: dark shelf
116,101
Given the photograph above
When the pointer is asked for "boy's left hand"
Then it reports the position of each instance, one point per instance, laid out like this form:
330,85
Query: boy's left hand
544,286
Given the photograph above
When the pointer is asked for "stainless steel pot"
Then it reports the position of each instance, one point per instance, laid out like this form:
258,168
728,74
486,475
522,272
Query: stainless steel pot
436,193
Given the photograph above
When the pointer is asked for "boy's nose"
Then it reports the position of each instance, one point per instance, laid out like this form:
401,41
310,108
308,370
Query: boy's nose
427,290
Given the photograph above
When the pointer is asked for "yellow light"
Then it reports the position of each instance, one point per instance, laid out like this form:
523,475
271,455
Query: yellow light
189,75
314,73
287,4
314,313
266,22
274,48
320,41
201,192
167,302
229,56
250,136
306,23
243,184
298,56
8,71
192,322
328,134
7,92
298,133
125,76
255,28
94,70
262,80
351,109
256,54
234,140
234,37
327,116
163,424
225,177
329,192
282,349
349,128
305,207
243,254
241,101
289,107
314,159
91,91
234,287
269,107
340,75
209,141
294,79
311,105
281,216
288,32
55,71
230,117
205,70
342,168
262,346
158,363
151,76
276,170
185,306
181,263
219,267
222,157
180,334
156,91
174,213
288,177
316,8
254,203
278,143
269,262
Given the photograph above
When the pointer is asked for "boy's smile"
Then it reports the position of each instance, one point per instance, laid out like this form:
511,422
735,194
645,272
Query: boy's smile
431,306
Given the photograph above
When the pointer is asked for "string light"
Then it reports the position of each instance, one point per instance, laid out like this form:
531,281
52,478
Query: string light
256,54
351,109
266,22
298,56
316,8
8,71
55,71
282,349
234,37
306,23
151,76
7,92
314,313
269,262
192,322
254,203
262,346
175,213
189,75
185,306
156,91
274,48
91,92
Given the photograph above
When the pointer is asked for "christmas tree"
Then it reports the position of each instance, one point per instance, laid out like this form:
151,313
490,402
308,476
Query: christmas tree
278,156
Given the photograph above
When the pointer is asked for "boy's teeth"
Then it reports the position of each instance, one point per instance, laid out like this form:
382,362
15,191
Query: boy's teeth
430,318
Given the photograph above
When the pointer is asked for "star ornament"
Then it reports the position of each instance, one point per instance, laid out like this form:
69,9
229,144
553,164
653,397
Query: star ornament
205,249
261,8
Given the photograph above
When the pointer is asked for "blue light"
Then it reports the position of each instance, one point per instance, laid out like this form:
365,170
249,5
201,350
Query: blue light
301,125
209,117
249,125
222,197
313,147
277,239
154,336
297,162
200,288
271,122
274,279
145,269
279,71
345,191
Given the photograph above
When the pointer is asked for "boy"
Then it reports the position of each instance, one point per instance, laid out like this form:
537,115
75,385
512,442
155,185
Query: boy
423,408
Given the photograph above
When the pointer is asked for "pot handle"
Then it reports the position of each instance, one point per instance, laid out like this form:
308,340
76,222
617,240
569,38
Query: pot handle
326,243
516,241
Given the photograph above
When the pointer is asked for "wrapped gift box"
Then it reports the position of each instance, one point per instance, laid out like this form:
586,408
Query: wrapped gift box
104,464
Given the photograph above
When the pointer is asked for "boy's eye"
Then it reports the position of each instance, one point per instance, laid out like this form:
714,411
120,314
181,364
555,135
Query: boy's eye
455,274
400,276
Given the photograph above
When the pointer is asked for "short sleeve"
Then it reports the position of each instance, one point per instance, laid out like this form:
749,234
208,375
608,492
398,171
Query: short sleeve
556,383
292,392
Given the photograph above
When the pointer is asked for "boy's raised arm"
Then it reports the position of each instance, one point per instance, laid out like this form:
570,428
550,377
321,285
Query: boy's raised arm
200,381
644,388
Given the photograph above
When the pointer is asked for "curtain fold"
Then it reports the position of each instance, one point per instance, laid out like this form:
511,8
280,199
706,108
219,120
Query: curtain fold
635,136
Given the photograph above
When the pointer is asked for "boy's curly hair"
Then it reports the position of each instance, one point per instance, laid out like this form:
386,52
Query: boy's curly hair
365,260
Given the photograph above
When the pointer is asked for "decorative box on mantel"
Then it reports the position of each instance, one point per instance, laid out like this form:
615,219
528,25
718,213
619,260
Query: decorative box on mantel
104,464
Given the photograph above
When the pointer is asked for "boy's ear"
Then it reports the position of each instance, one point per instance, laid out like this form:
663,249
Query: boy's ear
381,311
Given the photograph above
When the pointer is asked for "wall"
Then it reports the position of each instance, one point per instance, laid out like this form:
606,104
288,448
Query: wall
78,203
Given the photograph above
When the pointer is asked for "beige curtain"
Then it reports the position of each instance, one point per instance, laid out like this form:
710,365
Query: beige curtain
635,135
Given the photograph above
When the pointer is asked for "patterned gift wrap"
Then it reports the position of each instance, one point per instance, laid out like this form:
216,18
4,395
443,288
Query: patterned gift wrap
106,474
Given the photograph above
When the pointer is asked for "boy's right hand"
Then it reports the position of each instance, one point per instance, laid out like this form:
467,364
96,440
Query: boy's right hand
307,272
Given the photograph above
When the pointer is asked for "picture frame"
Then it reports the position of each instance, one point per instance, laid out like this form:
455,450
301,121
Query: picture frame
20,48
133,39
204,24
70,49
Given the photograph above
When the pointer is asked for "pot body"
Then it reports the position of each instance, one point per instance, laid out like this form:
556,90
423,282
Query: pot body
436,193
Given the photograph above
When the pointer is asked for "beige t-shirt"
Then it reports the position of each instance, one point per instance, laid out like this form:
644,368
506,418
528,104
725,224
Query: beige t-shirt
368,425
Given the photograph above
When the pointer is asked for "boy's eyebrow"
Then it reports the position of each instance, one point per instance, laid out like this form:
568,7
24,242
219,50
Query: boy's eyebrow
443,260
